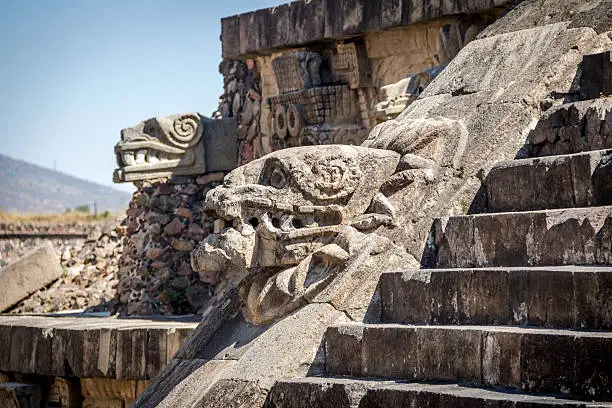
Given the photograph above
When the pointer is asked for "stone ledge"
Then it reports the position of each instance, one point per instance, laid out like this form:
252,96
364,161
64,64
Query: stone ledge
574,236
300,22
125,349
568,362
553,297
345,393
552,182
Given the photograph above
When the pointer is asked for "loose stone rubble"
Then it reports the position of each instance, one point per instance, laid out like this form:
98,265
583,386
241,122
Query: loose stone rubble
89,264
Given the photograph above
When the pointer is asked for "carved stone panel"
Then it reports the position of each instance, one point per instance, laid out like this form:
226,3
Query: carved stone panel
175,145
297,70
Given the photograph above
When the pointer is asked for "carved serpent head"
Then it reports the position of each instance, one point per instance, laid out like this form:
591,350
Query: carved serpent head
161,147
288,208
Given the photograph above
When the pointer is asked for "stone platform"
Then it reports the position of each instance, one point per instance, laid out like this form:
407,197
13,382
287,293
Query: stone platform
90,347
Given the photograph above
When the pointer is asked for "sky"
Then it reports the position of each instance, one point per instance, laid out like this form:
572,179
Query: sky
73,73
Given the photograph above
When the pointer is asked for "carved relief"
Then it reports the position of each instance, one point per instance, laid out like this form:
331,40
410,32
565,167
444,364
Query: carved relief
350,65
161,147
305,219
175,146
396,97
453,37
296,71
318,100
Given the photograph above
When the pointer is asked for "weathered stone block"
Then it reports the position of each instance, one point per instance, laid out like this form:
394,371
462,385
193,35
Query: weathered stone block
220,144
593,301
501,356
34,271
346,358
310,393
130,349
535,360
596,79
448,355
382,346
572,128
550,182
304,22
555,237
341,393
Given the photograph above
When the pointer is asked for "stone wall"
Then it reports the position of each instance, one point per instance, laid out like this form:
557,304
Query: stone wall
165,221
242,101
338,78
173,161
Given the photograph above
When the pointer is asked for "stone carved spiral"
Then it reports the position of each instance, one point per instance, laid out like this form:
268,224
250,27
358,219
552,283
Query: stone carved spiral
186,131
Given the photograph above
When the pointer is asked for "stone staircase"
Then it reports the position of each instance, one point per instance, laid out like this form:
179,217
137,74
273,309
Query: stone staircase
514,308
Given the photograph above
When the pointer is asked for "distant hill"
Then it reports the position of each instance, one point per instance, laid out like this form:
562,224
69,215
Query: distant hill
28,188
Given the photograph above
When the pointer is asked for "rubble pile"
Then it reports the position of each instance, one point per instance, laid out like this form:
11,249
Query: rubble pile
89,281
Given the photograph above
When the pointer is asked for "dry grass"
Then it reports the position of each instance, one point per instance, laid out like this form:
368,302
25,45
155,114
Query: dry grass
56,218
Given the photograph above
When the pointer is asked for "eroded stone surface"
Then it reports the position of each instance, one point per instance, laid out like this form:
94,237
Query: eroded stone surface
533,360
302,22
567,181
554,297
579,236
572,128
343,393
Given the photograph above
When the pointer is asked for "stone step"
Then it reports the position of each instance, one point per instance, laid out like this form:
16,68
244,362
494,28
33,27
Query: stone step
317,392
89,347
577,363
577,180
572,128
575,236
570,297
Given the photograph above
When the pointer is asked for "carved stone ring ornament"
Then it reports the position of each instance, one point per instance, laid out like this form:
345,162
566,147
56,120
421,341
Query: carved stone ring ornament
295,120
280,121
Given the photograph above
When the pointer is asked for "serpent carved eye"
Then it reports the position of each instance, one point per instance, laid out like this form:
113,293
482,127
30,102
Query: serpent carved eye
278,178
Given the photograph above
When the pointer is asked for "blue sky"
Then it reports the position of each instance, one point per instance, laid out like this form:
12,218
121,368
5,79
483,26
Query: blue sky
74,72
